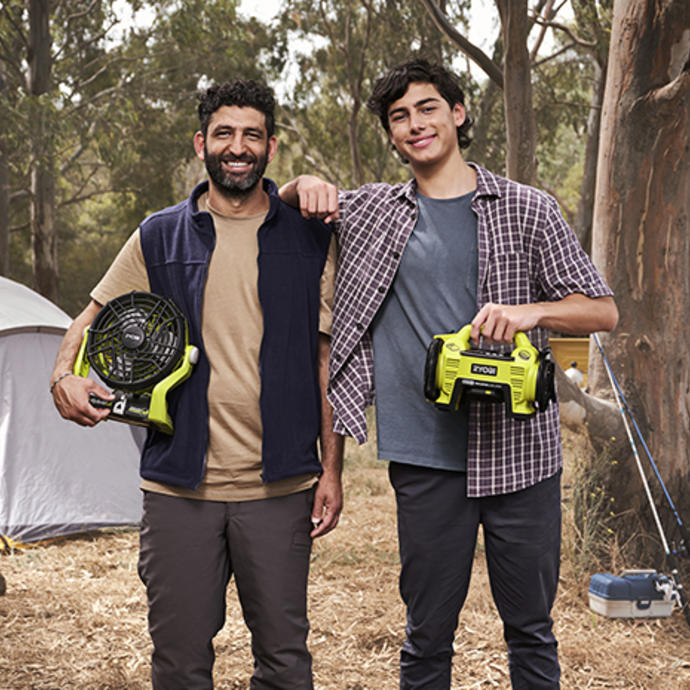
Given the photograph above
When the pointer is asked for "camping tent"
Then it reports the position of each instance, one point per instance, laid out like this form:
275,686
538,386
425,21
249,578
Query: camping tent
56,478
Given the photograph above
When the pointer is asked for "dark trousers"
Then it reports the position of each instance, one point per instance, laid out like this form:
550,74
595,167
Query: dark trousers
437,531
188,551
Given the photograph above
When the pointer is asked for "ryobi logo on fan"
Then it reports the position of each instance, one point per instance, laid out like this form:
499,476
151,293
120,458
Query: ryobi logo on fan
484,369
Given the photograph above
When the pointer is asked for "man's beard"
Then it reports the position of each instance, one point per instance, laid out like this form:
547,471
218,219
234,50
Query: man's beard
234,185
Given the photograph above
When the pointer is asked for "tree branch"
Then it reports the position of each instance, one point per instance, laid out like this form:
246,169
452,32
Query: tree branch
590,45
85,197
94,40
84,13
19,194
548,15
17,26
598,417
560,51
674,91
475,53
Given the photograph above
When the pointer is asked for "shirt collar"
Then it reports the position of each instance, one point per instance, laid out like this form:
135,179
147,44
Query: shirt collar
408,191
487,185
269,186
487,182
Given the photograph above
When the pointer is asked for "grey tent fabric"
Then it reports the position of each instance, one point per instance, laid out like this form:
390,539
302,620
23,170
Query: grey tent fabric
56,478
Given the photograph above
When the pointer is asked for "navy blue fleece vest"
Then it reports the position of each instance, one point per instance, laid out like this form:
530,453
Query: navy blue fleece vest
177,244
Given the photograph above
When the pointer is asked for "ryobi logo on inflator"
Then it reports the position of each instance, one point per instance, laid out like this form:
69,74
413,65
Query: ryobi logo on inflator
484,369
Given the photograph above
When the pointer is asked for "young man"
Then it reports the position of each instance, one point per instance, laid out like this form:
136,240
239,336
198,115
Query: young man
455,245
238,488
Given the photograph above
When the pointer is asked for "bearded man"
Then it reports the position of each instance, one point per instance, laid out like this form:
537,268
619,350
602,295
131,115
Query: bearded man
239,488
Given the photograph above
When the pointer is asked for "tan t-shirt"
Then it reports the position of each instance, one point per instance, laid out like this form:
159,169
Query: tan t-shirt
232,329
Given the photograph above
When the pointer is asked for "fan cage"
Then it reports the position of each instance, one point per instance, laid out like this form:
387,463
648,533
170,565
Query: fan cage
136,340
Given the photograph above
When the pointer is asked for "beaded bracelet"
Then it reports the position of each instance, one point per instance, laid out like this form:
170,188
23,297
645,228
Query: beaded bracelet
58,379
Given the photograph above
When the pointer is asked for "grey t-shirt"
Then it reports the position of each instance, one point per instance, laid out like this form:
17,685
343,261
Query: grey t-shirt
434,291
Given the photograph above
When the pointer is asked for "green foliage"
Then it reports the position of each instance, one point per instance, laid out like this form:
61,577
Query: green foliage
116,120
563,89
120,112
357,41
98,233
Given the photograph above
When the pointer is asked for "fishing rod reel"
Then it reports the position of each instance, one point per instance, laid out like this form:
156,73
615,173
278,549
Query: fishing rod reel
676,549
524,379
138,344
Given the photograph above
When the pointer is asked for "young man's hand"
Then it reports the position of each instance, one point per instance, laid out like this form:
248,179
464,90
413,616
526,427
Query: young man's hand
500,322
575,314
314,197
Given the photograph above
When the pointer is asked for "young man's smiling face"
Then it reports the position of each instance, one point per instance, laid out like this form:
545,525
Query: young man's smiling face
236,149
423,127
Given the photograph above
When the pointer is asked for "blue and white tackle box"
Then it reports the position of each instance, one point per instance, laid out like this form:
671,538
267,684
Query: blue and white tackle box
632,594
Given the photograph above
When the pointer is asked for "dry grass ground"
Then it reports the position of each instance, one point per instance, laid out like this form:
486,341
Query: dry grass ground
74,616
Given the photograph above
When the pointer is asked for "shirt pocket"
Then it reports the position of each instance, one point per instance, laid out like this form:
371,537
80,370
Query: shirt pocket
508,279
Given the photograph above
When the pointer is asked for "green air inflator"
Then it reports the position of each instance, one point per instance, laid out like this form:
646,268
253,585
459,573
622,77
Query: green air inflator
523,380
138,344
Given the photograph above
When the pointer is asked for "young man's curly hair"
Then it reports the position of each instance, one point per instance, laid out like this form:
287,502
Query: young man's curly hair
244,93
395,83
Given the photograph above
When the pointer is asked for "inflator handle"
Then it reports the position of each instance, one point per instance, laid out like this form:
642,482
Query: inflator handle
520,338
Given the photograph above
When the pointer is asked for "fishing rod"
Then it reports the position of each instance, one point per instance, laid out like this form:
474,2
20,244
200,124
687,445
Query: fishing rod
626,413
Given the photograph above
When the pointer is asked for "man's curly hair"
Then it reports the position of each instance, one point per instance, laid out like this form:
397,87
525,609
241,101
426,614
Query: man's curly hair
245,93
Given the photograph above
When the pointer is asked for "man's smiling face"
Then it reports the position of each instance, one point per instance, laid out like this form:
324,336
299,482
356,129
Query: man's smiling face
236,149
423,127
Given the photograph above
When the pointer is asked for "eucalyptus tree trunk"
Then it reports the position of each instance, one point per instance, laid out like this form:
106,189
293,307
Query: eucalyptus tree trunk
4,189
43,231
641,240
585,207
4,210
521,128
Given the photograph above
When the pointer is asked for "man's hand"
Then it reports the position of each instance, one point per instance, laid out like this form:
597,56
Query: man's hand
71,393
575,314
328,503
328,497
71,397
314,197
500,322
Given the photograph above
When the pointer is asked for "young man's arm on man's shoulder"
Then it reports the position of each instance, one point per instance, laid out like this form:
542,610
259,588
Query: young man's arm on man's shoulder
314,197
71,393
328,497
575,314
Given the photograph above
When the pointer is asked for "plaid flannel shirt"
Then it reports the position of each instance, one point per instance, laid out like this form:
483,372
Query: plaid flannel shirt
527,253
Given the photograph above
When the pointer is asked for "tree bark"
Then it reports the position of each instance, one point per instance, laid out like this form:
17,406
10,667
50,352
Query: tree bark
4,210
4,190
585,208
521,128
43,232
597,417
641,237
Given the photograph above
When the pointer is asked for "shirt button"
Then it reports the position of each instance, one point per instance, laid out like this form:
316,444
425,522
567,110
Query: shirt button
396,255
382,289
359,326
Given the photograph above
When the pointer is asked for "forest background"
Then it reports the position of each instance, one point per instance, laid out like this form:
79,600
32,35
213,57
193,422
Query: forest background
100,96
587,99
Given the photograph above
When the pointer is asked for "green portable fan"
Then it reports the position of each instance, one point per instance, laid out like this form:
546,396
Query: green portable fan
138,345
